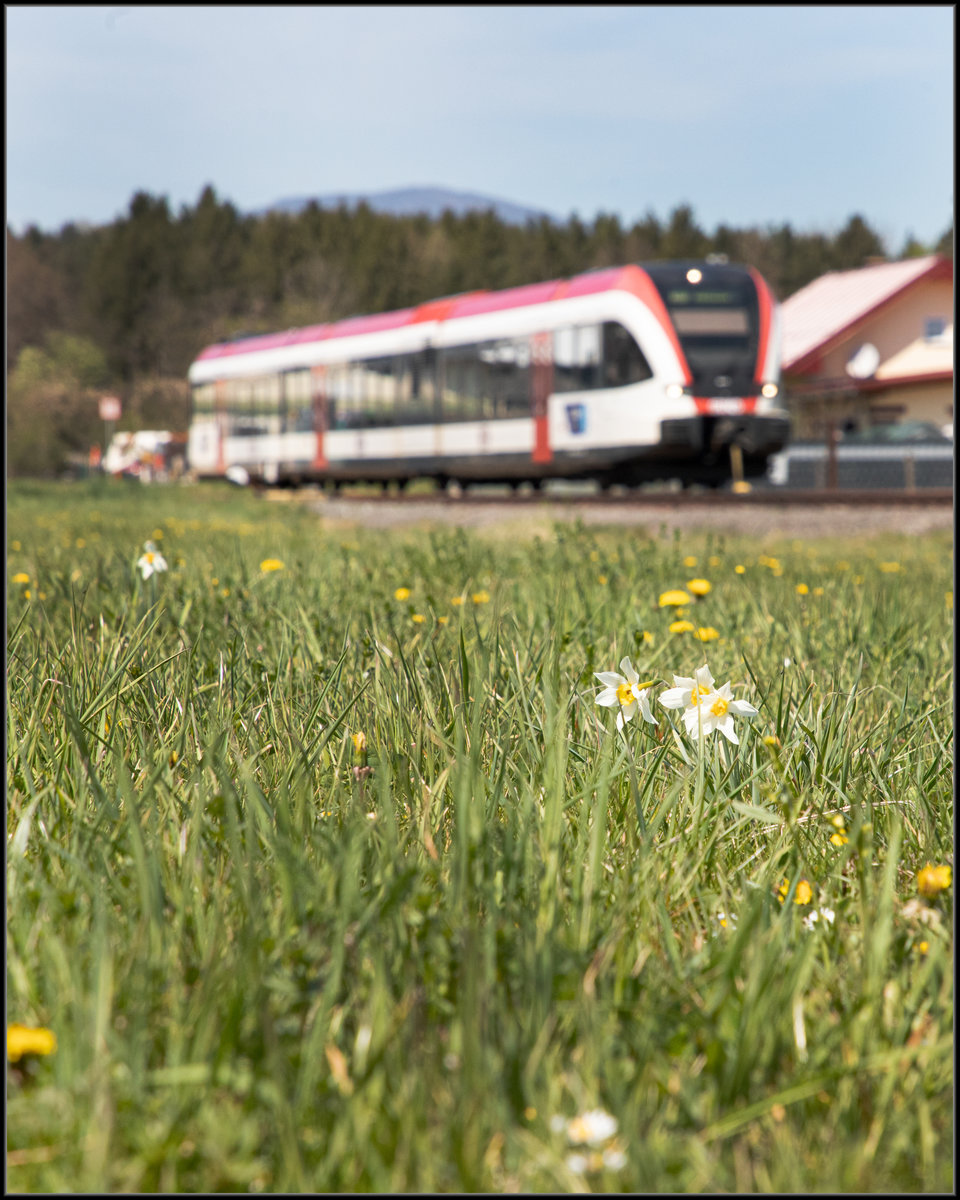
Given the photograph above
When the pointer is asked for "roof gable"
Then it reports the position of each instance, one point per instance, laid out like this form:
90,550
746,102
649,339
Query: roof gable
822,312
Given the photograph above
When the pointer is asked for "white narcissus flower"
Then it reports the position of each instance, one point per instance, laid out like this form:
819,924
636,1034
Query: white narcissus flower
687,693
627,691
593,1127
151,560
706,707
717,710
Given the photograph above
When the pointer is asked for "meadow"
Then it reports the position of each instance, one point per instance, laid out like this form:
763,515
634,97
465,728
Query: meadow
327,872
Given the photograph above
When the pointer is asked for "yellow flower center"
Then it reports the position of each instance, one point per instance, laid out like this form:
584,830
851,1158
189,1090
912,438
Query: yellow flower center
624,693
719,707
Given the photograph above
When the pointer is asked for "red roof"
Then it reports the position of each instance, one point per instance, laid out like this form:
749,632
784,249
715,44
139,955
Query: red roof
821,313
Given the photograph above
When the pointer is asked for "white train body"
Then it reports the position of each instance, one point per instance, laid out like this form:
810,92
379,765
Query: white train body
581,378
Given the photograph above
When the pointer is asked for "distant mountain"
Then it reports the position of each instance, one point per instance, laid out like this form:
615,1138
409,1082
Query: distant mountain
407,201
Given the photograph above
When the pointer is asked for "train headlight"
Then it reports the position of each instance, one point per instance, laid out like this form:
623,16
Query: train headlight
673,391
769,390
694,275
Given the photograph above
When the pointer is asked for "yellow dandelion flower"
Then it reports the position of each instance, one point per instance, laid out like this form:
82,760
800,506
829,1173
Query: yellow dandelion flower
647,638
923,947
271,564
602,580
804,893
442,620
706,633
673,599
418,618
739,569
25,1039
80,543
20,577
359,740
771,740
699,587
932,880
802,589
889,568
481,597
402,593
157,533
818,591
682,627
714,560
15,545
690,561
456,601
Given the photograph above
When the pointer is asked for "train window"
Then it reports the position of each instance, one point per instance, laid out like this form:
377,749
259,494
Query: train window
505,377
623,360
417,392
298,400
204,398
576,358
379,378
460,387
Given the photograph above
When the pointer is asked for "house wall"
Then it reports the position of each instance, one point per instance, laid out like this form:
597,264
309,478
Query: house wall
895,326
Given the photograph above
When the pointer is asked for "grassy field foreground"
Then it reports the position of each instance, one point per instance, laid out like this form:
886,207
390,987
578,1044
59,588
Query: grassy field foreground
326,871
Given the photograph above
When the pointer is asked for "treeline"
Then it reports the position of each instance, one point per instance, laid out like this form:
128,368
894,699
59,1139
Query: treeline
126,307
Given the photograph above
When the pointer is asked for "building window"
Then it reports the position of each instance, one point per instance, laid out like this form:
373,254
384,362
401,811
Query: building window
934,329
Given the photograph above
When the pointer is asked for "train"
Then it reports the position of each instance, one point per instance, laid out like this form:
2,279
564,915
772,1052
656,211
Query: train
650,371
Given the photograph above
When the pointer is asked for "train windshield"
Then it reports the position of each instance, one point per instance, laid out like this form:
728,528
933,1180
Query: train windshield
716,317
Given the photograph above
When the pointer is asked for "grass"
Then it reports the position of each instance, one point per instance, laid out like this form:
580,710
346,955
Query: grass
325,890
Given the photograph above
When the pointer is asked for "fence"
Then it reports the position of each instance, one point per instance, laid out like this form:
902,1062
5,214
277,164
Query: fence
834,465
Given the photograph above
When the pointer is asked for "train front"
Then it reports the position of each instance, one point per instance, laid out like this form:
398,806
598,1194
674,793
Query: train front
727,322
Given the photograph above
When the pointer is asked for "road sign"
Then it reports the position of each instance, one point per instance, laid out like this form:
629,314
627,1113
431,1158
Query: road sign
109,408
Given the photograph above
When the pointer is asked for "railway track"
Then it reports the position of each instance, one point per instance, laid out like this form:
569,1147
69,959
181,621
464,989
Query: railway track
762,498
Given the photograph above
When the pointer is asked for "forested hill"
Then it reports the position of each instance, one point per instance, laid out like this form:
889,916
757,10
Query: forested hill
127,306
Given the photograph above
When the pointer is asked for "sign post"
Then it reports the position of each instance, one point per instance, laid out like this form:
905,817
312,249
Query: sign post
109,414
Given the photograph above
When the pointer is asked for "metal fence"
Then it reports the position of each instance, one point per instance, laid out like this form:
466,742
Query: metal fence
834,465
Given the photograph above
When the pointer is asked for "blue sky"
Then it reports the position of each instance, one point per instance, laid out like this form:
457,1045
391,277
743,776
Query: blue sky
752,116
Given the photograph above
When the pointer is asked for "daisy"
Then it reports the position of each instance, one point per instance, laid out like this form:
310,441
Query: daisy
627,691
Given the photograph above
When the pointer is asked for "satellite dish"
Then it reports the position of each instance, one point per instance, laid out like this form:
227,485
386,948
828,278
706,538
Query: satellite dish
863,363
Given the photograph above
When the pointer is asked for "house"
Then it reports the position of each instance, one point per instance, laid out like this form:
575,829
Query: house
870,346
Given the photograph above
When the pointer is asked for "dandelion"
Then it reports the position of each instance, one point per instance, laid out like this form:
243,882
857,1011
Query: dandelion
803,894
418,618
627,691
699,587
802,589
271,564
481,597
647,638
456,601
706,633
673,599
26,1039
889,568
359,740
20,577
681,627
690,561
740,569
931,880
151,560
602,580
402,593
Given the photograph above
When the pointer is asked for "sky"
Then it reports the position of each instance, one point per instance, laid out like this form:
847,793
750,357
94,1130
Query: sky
752,116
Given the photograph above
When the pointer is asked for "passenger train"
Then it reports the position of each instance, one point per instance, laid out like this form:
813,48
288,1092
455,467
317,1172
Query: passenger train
665,370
